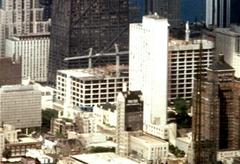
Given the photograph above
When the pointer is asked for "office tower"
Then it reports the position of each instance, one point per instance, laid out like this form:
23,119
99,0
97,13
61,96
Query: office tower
10,71
79,25
219,112
148,70
33,49
129,117
20,106
235,17
183,59
20,17
228,43
136,10
218,13
166,8
47,5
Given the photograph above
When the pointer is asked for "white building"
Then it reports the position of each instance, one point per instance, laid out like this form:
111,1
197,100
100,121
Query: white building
183,60
39,154
149,149
98,158
84,88
228,44
34,52
148,70
20,106
20,17
105,115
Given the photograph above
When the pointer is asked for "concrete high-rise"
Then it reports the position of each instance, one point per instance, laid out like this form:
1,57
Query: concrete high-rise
33,49
219,112
166,8
148,70
79,25
20,17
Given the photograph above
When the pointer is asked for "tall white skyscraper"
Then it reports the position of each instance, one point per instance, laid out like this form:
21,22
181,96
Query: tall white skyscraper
218,13
148,70
19,17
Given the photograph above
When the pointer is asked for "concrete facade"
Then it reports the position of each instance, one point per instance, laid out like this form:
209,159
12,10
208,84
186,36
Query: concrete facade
84,88
182,61
148,69
228,43
20,17
33,49
20,106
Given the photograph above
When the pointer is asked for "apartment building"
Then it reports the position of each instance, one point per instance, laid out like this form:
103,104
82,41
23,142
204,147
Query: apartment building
34,52
183,60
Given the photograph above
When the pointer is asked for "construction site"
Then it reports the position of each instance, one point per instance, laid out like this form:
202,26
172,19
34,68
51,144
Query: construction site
83,29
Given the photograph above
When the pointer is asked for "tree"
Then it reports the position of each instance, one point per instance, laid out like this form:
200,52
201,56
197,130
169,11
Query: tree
6,153
47,115
180,106
183,119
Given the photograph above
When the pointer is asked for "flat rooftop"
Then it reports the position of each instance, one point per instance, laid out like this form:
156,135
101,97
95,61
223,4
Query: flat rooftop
94,73
102,158
16,88
147,139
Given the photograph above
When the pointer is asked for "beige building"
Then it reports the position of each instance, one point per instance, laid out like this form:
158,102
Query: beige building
182,67
20,106
33,49
84,88
20,17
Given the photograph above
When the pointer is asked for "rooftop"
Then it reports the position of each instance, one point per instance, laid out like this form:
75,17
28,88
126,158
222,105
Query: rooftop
95,73
220,65
102,158
16,88
150,140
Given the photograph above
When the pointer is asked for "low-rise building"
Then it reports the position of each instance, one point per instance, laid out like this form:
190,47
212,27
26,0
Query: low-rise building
148,149
38,154
105,115
97,158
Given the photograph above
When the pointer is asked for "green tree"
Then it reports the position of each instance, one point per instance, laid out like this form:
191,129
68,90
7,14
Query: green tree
6,153
180,106
47,115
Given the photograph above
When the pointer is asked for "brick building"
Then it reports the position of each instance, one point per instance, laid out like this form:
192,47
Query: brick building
220,110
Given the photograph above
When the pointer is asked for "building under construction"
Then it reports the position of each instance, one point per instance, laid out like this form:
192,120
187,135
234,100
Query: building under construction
84,27
216,123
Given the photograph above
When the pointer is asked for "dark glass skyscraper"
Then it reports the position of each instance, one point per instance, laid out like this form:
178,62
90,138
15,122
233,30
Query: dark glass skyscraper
78,25
166,8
